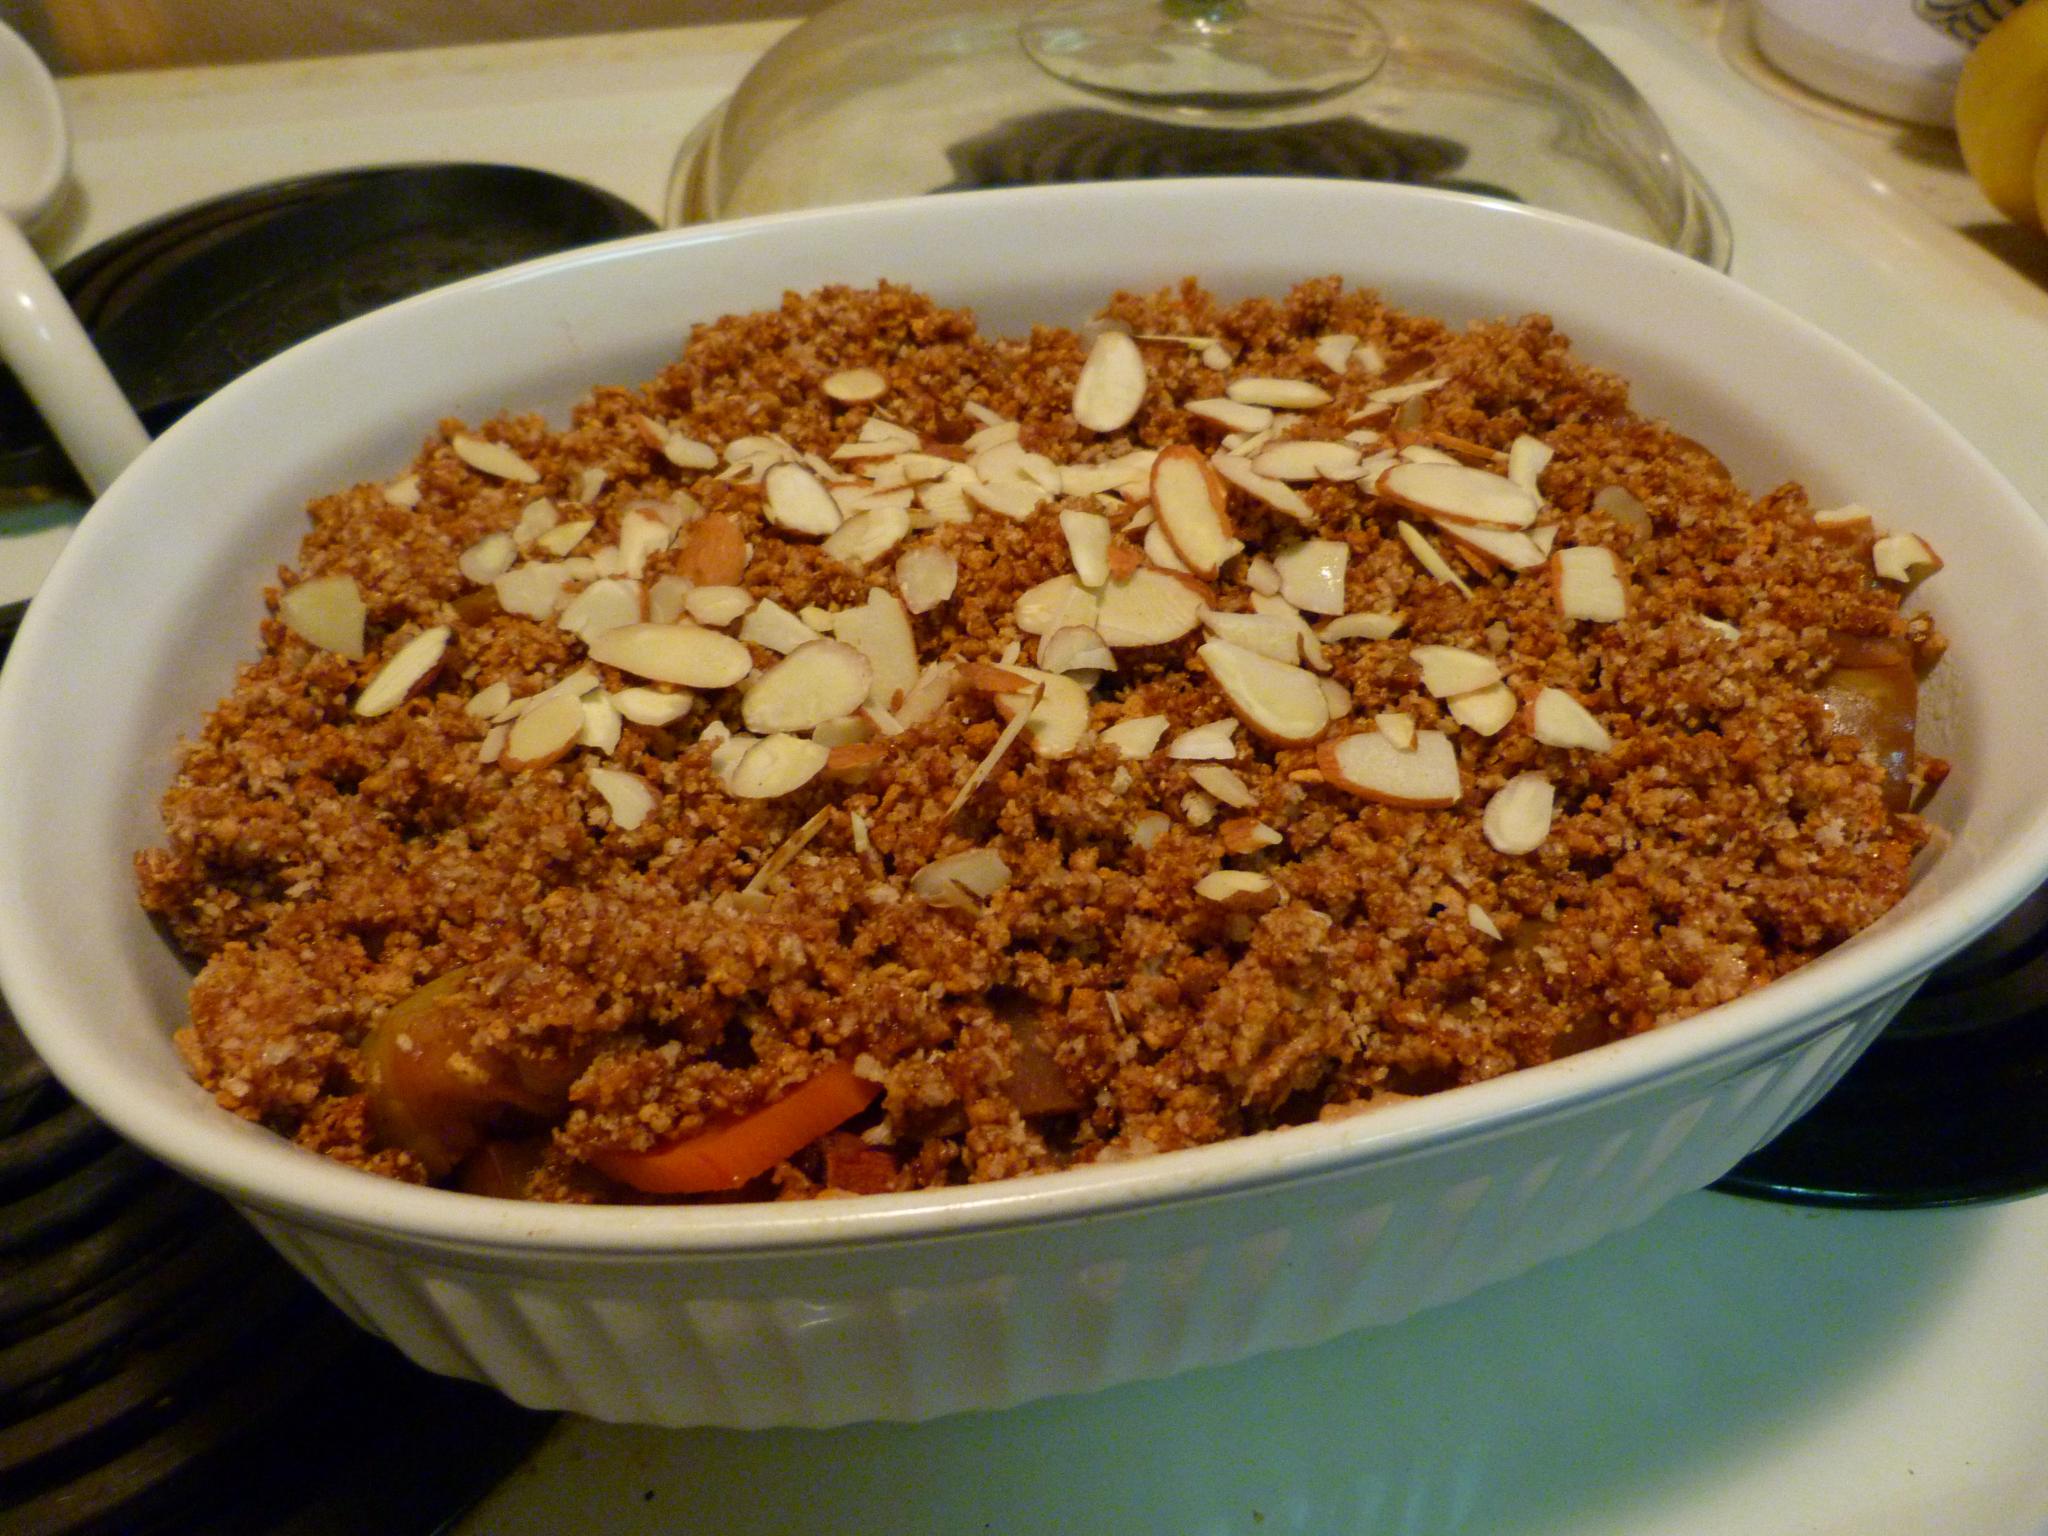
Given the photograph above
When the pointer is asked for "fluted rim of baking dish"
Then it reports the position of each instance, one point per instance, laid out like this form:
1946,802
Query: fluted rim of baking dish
178,1122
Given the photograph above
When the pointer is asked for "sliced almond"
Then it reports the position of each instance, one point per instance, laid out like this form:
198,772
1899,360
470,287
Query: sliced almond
488,558
867,536
1306,458
485,703
1267,634
1903,557
1231,414
716,607
821,681
926,577
1075,649
1243,834
796,501
1278,394
1137,738
688,452
1336,698
1312,574
1125,471
1260,576
1477,916
493,745
1277,702
402,492
493,459
1188,499
1223,784
328,613
1149,828
1150,608
1362,626
1087,535
1334,351
1398,728
1368,764
602,722
1056,604
651,706
727,748
854,386
853,762
928,695
1430,557
564,537
1449,670
962,880
1212,742
1720,627
775,766
1486,710
1244,889
844,731
1460,493
1276,494
544,733
602,607
1401,394
686,655
1587,582
1112,383
714,552
408,671
1846,520
1014,499
629,797
880,630
1544,537
1057,707
1198,808
1494,546
1160,551
1517,818
1558,720
773,627
535,519
1216,357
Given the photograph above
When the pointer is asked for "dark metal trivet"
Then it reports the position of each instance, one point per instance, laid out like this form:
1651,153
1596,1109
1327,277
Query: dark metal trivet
162,1371
184,304
1950,1106
1087,144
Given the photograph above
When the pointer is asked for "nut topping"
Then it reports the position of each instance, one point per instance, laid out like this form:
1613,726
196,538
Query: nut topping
821,681
797,502
1277,702
327,613
1188,499
410,670
1587,582
493,459
1422,776
684,654
1558,720
1112,383
1517,818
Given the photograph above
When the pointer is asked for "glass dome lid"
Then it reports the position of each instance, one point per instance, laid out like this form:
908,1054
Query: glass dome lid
886,98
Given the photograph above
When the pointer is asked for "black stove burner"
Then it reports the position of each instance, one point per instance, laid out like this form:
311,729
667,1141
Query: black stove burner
1086,144
182,305
160,1369
1948,1107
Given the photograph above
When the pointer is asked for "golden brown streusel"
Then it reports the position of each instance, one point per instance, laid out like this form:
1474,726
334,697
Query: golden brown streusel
323,866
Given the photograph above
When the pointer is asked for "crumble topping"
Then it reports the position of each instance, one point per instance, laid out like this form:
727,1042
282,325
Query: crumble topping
1248,714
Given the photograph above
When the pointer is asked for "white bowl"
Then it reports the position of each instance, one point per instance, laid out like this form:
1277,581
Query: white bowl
903,1306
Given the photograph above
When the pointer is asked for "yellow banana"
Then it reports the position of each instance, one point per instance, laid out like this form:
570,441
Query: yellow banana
2002,112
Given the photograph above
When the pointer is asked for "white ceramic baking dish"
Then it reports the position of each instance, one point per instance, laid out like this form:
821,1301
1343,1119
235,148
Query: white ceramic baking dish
912,1305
